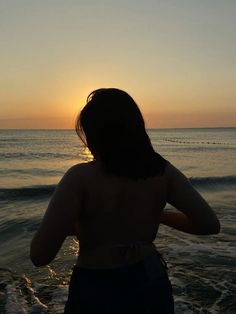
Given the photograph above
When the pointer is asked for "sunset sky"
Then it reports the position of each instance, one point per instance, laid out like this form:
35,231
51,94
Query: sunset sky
176,58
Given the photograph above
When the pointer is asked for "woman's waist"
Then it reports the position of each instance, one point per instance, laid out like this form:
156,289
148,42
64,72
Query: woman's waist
151,267
114,254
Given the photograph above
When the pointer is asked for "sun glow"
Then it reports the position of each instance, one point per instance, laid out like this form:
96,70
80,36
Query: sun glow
176,61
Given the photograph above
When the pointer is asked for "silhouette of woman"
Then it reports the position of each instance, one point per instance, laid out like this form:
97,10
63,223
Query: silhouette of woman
114,205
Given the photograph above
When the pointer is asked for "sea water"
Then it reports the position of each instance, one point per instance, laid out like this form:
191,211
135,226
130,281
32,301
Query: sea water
201,268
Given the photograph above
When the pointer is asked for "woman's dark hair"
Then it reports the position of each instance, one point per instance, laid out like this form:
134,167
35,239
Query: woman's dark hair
112,127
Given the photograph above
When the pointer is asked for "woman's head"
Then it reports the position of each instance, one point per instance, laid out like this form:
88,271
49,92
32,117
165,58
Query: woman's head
112,127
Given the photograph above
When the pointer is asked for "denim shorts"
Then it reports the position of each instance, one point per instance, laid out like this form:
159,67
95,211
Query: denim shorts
138,288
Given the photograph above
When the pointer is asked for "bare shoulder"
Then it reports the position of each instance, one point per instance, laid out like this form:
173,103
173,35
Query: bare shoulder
179,188
80,170
84,166
80,167
171,171
175,178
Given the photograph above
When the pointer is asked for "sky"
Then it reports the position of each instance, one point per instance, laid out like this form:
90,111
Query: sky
176,58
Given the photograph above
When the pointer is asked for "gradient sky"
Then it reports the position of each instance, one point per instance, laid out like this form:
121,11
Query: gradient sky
177,59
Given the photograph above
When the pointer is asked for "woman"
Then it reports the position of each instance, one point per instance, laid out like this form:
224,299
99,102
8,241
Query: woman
114,206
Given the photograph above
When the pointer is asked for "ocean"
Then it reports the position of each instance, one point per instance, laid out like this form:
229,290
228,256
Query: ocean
201,268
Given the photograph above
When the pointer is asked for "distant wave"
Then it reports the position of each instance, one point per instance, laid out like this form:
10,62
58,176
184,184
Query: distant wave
45,191
29,192
34,155
38,172
13,227
208,182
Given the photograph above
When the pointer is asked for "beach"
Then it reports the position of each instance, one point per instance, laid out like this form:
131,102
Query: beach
201,268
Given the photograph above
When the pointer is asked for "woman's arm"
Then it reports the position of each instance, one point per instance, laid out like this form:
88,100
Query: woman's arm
197,217
59,220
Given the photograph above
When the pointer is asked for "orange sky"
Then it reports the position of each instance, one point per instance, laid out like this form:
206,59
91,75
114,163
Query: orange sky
176,61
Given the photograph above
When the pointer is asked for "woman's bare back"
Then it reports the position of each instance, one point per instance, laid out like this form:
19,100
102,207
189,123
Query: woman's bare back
119,217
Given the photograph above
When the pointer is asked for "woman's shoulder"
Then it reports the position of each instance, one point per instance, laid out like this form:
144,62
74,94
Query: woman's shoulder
172,172
82,167
82,170
93,170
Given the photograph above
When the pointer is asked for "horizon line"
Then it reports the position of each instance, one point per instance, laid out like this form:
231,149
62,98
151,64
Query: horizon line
160,128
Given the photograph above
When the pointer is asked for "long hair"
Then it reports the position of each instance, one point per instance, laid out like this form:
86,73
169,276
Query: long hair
112,127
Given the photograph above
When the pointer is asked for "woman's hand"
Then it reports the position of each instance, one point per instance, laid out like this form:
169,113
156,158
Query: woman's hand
178,221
